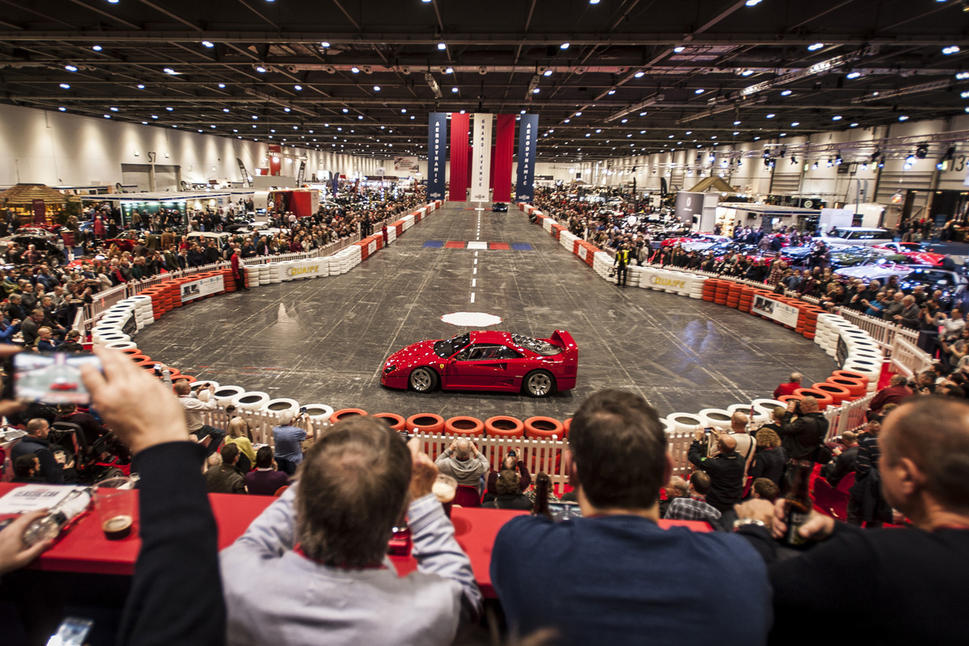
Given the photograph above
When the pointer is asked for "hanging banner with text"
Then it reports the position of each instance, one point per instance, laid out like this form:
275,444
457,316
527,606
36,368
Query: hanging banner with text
459,157
202,287
481,159
527,141
501,164
775,310
436,155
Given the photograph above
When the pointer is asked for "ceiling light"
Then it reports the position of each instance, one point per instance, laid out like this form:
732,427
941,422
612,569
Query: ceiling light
795,124
578,114
547,73
107,116
903,117
770,115
346,110
699,90
836,117
612,91
168,70
208,43
593,1
752,3
376,88
97,48
536,90
360,117
643,113
62,109
951,49
170,109
154,116
260,69
113,1
449,70
325,45
70,68
254,117
785,93
736,132
564,46
113,109
815,47
747,72
962,76
141,86
221,86
852,75
853,124
736,123
286,110
442,46
678,50
298,88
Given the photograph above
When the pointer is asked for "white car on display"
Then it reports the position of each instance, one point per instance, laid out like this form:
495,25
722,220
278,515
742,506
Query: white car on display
880,271
867,236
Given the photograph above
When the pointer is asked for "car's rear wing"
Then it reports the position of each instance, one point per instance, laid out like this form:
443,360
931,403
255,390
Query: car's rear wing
564,340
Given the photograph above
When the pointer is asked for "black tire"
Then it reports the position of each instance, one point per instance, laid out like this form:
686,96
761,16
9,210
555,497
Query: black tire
423,379
539,383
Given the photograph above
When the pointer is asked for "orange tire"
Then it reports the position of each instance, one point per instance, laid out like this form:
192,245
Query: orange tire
504,426
837,393
131,351
427,423
787,398
464,425
393,420
855,387
189,378
824,399
544,428
851,374
566,425
344,413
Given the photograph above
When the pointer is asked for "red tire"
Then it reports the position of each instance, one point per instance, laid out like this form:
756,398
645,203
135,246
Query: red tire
344,413
545,428
504,426
824,399
427,423
837,392
393,420
464,425
855,387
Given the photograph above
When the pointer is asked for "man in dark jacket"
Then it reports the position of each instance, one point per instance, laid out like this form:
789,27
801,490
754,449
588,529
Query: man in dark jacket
726,470
35,443
844,459
225,478
804,429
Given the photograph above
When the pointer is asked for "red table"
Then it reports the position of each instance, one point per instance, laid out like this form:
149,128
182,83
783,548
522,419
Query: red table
84,549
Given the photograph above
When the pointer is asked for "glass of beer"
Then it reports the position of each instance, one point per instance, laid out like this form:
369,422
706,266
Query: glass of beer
114,505
445,488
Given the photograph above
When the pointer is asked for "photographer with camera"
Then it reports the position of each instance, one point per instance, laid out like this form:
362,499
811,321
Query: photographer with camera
288,439
803,429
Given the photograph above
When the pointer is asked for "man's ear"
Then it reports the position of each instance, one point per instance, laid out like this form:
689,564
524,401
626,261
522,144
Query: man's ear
910,477
571,468
668,469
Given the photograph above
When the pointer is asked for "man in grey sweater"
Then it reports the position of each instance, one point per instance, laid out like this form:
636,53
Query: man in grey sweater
312,568
463,462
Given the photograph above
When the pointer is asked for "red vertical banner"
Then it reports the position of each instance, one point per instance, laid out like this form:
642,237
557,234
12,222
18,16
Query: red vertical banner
460,150
501,160
275,161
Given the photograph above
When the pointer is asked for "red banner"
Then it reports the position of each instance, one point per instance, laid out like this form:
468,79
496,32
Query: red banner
460,166
275,161
504,146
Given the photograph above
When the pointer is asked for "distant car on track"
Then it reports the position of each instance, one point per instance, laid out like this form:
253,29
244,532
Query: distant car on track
499,207
486,360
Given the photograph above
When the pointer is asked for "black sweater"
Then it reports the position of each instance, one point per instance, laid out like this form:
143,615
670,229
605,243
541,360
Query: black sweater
176,591
876,586
726,476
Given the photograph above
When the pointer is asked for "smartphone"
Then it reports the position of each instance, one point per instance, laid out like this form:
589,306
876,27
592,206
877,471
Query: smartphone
48,377
72,632
708,430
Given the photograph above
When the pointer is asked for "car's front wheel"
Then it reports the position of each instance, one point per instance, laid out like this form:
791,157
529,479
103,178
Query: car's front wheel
423,379
539,383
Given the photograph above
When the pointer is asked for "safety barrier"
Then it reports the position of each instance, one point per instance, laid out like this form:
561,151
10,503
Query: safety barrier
909,359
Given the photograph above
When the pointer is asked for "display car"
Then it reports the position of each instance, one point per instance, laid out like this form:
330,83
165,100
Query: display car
952,284
486,360
880,271
499,207
914,251
867,236
696,241
50,246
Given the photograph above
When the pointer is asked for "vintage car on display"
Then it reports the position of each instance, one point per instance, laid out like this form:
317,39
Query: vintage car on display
696,241
499,207
914,251
486,360
50,246
952,284
126,240
867,236
881,271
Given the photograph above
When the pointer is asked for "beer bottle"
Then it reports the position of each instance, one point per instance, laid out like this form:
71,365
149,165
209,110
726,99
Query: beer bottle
543,485
799,504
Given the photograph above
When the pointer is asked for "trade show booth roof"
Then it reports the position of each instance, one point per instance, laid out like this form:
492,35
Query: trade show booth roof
174,196
25,194
713,184
769,209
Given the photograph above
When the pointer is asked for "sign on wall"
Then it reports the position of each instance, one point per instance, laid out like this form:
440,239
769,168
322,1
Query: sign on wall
481,158
202,287
775,310
406,164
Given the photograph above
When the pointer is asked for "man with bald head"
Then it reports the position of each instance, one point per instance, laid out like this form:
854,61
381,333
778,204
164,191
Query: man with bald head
725,468
463,462
906,585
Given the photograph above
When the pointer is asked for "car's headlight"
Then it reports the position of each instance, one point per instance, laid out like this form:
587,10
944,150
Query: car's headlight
389,368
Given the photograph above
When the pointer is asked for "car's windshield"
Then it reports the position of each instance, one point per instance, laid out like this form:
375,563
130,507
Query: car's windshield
446,347
537,346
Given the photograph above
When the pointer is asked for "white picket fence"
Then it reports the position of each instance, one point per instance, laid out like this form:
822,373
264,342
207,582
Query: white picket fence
909,359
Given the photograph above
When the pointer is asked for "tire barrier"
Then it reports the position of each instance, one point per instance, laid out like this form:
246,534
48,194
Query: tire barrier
429,423
282,407
566,425
759,416
251,400
393,420
824,399
853,348
190,379
857,387
225,394
543,428
198,385
319,412
767,406
504,426
718,418
464,425
344,413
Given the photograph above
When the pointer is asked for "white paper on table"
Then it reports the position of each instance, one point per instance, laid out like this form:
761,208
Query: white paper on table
32,497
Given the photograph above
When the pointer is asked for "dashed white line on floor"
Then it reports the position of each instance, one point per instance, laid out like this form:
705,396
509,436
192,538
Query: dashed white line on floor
474,282
472,297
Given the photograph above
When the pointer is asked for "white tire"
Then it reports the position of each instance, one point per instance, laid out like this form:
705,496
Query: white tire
250,400
684,422
718,418
281,407
225,394
319,412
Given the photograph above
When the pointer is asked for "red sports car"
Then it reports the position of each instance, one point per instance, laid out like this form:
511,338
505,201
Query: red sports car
486,360
914,251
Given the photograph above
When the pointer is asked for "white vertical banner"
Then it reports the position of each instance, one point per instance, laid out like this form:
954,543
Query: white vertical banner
481,157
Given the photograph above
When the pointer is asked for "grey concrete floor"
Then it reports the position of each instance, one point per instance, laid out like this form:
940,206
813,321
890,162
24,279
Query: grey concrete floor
325,340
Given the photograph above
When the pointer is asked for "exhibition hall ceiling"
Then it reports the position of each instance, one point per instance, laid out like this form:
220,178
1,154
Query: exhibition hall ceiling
608,78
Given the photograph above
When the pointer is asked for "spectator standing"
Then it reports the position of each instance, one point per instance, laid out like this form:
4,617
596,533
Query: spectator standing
770,459
866,503
804,429
288,440
725,468
629,579
265,480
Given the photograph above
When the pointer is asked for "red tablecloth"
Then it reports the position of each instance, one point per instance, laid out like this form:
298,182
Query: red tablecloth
84,549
